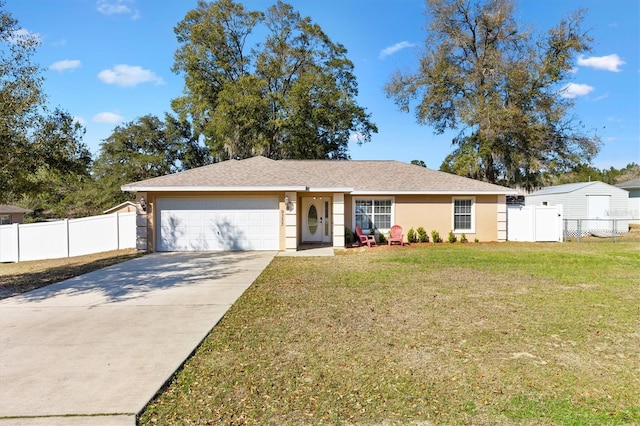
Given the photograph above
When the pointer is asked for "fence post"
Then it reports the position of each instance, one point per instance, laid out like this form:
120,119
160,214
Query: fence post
579,229
66,221
615,230
117,230
17,228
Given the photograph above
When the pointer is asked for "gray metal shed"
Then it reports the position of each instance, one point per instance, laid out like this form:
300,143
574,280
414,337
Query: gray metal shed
588,206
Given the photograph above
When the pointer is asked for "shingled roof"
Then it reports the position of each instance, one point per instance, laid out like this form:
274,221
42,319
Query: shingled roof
630,184
263,174
9,209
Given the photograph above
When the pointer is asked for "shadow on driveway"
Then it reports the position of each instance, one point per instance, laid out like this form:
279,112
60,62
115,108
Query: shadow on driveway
135,278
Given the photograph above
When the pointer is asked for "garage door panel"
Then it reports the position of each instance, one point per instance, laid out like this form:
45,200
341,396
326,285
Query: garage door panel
193,224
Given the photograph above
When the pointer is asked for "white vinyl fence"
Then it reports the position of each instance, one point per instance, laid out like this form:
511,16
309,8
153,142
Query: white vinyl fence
534,223
67,237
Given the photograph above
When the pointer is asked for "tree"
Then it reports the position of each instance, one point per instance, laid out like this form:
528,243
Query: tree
292,96
146,148
43,157
21,98
587,173
420,163
63,165
502,88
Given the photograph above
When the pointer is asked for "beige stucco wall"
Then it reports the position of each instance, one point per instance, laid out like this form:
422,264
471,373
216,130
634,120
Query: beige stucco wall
435,212
410,211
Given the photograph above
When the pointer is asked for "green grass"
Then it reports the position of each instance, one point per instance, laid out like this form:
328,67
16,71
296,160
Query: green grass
435,334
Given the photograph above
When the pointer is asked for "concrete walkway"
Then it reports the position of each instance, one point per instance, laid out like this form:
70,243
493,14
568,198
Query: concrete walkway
95,349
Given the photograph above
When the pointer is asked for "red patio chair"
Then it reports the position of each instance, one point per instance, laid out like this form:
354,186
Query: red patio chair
369,240
395,235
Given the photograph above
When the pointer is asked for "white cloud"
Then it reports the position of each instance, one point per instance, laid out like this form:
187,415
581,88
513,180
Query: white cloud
395,48
23,35
128,76
117,7
355,137
607,63
573,90
107,117
66,64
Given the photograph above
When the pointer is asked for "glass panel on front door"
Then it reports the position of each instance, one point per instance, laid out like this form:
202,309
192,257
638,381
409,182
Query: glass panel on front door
326,218
312,219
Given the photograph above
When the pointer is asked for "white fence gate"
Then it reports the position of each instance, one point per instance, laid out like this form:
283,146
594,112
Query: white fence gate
534,223
68,237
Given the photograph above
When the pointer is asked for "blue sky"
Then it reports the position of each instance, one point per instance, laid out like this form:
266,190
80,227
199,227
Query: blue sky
109,62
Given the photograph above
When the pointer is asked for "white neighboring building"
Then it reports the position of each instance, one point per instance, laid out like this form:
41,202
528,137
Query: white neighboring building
633,186
588,206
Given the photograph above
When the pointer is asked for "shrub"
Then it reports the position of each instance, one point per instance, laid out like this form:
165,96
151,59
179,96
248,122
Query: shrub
422,235
476,240
463,238
411,236
435,236
452,237
382,239
348,236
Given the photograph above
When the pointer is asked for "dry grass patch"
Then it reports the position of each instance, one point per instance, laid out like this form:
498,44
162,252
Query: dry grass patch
16,278
447,334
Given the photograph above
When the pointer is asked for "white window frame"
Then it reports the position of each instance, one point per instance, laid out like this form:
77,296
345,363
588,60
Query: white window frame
373,199
5,219
471,230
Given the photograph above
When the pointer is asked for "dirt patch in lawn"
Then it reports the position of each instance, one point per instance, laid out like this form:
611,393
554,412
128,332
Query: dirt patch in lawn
17,278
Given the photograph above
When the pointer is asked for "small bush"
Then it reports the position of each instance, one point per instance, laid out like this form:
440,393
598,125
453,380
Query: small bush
382,239
476,240
422,235
348,236
452,237
411,236
435,236
463,238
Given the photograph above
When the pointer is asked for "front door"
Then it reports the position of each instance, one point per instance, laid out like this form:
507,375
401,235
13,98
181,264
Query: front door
316,220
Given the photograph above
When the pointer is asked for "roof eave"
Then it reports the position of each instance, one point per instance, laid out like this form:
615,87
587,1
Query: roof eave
438,192
328,189
135,188
352,191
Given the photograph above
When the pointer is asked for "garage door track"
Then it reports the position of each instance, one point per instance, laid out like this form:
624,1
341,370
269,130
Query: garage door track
95,349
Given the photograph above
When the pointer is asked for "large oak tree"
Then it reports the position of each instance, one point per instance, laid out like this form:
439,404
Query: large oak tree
501,86
290,95
38,147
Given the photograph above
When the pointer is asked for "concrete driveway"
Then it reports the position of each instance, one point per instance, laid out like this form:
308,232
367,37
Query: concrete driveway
94,350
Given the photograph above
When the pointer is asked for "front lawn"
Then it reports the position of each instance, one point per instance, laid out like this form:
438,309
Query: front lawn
438,334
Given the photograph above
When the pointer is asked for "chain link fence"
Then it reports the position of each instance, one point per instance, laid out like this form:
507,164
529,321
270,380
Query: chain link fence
600,228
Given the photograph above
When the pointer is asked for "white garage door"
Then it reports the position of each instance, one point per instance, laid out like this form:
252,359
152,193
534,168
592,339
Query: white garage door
210,224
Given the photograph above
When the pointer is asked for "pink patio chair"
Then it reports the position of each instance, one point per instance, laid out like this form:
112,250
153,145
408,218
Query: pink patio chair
369,240
395,235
